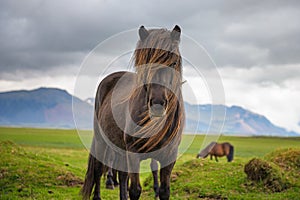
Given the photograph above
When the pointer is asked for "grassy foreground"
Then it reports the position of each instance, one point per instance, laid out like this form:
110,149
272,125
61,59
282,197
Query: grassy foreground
50,164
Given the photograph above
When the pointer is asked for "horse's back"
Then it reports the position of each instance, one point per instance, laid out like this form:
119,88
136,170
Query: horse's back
218,150
107,85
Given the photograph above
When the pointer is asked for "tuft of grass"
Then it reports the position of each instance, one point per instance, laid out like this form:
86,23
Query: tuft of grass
289,161
267,173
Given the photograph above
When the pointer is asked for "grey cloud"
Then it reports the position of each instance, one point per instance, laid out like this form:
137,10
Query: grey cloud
42,35
279,75
271,26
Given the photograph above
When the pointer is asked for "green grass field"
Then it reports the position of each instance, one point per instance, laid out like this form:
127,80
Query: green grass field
50,164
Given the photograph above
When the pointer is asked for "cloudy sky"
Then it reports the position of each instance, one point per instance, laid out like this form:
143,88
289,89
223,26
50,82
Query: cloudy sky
255,44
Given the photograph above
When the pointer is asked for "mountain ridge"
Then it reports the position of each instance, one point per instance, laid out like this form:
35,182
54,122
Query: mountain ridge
238,121
52,108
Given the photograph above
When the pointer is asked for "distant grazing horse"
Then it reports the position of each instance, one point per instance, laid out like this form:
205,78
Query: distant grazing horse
218,150
139,116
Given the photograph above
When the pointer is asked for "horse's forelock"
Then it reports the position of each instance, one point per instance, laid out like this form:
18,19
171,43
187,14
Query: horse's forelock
153,49
156,51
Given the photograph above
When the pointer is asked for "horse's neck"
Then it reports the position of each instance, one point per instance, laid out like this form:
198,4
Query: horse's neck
138,105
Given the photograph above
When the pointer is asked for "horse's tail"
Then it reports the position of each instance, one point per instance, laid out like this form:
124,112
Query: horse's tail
230,155
89,181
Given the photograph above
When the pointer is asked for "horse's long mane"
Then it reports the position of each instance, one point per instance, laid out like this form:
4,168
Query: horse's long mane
156,51
207,150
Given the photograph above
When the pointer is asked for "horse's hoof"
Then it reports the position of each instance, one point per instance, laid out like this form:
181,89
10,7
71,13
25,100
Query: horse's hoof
110,187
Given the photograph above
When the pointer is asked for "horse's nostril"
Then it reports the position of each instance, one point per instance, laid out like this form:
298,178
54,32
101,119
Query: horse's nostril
158,102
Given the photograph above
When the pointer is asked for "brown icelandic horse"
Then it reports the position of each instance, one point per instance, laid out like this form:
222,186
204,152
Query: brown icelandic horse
138,116
218,150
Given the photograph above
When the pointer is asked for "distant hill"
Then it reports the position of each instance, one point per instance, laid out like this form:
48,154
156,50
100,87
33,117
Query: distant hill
43,107
52,108
238,121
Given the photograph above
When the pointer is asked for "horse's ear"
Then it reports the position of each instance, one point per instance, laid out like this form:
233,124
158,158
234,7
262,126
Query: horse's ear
143,33
175,34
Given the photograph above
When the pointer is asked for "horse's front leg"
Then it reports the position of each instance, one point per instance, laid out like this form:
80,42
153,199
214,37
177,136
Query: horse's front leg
216,159
154,169
165,174
135,188
123,181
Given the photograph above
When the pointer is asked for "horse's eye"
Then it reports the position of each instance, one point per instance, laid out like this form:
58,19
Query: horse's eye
145,87
173,64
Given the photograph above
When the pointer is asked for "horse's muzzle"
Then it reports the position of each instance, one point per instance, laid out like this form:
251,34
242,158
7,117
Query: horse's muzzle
157,110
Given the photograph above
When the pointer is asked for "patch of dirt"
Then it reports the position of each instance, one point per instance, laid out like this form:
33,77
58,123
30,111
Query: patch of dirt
175,175
212,196
3,173
70,179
